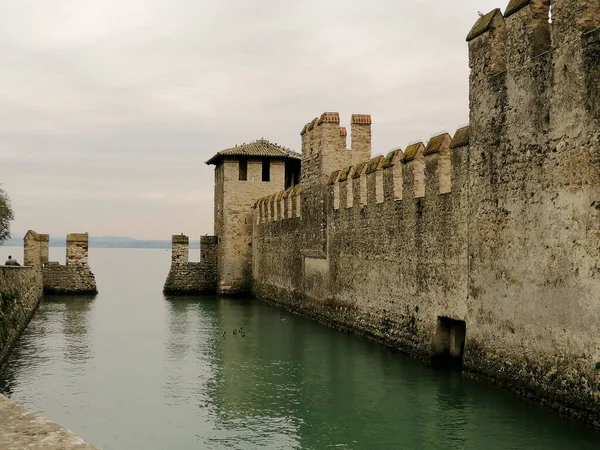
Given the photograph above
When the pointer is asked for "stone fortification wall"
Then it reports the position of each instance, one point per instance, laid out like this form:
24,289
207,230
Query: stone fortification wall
74,277
484,246
395,246
187,277
20,293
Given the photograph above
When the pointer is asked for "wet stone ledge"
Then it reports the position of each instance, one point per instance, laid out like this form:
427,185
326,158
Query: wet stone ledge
21,428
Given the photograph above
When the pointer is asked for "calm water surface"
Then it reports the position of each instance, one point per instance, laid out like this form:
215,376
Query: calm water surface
131,369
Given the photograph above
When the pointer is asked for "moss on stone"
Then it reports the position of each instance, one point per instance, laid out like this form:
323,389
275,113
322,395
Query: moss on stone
483,24
9,297
514,6
374,164
358,170
461,137
390,158
333,177
436,144
344,174
411,151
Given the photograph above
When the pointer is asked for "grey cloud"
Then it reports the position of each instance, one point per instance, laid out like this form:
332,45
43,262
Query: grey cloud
109,109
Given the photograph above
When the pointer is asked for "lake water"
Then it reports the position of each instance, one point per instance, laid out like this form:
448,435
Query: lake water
131,369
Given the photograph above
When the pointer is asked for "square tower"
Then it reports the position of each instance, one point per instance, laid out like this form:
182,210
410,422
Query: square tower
243,174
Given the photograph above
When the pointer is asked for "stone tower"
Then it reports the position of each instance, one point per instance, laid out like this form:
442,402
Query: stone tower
243,174
323,151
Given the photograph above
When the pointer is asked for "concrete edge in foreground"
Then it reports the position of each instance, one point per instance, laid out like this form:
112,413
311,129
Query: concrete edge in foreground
22,428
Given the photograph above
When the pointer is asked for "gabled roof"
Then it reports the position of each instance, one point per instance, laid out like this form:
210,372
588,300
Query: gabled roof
260,148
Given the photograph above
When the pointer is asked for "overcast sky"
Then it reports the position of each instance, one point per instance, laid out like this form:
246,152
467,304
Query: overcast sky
109,108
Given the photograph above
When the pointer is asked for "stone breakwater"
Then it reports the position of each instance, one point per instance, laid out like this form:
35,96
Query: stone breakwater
21,428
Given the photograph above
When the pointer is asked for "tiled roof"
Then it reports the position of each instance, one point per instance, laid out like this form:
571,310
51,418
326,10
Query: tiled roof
262,147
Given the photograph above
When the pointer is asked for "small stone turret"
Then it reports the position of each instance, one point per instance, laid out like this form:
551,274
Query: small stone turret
32,249
180,249
187,277
76,276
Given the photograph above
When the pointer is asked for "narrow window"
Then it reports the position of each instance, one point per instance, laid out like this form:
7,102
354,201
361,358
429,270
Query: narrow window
266,170
243,170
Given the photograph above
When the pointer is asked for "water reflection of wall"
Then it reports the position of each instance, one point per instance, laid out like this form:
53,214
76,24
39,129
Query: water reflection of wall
59,331
189,349
290,382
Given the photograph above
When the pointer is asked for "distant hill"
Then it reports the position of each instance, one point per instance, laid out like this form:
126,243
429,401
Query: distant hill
104,242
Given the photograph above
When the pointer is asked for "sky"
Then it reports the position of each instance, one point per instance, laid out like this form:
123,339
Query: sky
109,108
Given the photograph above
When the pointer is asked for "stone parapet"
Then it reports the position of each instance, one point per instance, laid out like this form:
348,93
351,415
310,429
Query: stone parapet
187,277
71,279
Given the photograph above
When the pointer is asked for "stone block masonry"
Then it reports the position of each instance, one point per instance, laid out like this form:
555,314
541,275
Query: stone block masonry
20,293
76,276
187,277
480,250
21,288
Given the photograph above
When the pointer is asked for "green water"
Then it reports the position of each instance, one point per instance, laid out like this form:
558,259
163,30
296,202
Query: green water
131,369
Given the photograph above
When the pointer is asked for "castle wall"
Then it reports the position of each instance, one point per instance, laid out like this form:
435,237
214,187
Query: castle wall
484,247
21,288
20,293
187,277
392,265
76,276
533,241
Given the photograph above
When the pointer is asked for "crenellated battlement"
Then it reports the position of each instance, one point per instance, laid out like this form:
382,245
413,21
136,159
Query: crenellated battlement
324,142
279,206
187,277
74,277
492,231
418,171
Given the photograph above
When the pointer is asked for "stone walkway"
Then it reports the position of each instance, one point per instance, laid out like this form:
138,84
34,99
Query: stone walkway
23,429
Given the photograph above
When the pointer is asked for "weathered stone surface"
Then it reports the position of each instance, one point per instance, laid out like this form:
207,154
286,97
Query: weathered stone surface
498,230
234,198
20,293
76,276
192,277
69,279
21,428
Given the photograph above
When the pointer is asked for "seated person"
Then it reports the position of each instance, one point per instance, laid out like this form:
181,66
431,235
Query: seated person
11,262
